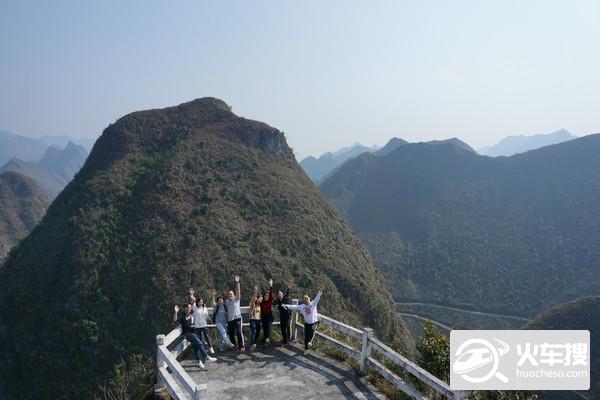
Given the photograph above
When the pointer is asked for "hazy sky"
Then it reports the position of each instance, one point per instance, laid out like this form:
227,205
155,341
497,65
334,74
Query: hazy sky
327,73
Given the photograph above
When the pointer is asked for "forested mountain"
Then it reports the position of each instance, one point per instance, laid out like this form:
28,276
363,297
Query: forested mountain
578,314
22,206
511,145
168,199
318,168
54,170
514,235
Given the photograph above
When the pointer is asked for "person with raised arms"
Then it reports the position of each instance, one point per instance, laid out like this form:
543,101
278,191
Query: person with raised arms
284,314
220,320
200,313
311,318
234,316
254,316
186,319
266,312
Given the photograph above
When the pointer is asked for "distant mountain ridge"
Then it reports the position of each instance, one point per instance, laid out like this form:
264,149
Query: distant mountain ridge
513,235
22,206
317,168
24,148
354,150
64,162
55,169
63,141
33,149
511,145
390,146
455,142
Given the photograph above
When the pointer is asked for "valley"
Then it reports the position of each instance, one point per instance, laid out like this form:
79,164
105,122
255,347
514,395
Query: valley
507,235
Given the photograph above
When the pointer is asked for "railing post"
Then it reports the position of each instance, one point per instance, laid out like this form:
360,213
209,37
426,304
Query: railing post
199,393
460,395
294,319
160,341
364,353
160,383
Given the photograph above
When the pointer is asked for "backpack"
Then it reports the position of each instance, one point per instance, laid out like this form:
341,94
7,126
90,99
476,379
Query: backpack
217,309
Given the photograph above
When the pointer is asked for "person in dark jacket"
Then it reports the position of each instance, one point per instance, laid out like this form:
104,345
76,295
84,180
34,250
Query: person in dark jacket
284,314
266,312
186,319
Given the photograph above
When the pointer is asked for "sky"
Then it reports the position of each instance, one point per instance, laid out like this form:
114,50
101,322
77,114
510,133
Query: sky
328,74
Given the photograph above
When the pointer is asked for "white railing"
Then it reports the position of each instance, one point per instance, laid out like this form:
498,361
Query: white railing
368,345
171,374
181,386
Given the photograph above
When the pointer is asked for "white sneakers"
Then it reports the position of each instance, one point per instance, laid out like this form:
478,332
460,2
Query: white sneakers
268,341
253,347
209,359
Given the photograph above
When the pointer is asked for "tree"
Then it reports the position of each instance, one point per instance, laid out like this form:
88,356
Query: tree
130,380
509,395
434,352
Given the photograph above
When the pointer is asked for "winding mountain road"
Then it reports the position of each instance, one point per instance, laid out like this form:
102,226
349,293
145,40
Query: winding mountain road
467,311
437,323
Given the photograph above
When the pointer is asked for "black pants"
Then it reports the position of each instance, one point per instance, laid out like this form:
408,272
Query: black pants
203,332
284,324
309,333
267,323
234,330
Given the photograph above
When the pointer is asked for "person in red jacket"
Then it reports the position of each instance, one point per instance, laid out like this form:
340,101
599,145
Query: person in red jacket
266,312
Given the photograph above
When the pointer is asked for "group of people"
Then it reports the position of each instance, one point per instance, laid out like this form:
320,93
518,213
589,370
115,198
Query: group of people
227,317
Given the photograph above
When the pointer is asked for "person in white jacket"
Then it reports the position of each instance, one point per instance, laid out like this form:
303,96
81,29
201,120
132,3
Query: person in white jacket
311,318
200,319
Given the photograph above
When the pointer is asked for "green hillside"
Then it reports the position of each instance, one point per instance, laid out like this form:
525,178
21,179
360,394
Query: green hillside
578,314
512,235
22,206
172,198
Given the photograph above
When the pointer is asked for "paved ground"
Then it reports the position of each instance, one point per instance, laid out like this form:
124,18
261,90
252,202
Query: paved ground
280,373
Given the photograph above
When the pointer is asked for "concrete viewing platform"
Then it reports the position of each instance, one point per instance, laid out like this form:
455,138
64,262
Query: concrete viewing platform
274,372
